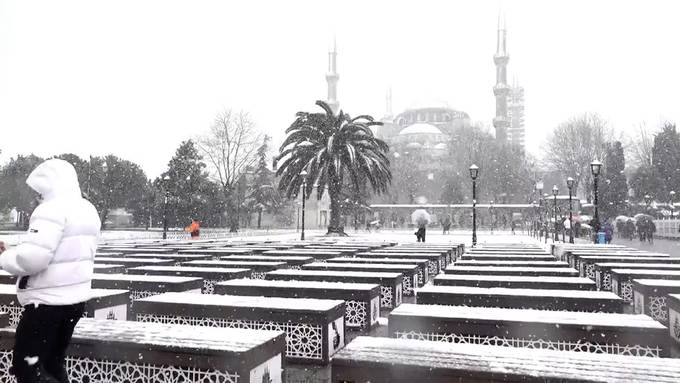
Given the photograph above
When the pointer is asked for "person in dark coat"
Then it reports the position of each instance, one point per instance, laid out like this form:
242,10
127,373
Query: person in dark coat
420,233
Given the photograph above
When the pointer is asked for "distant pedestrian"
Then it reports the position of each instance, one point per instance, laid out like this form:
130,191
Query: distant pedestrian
420,233
194,228
54,266
608,232
512,227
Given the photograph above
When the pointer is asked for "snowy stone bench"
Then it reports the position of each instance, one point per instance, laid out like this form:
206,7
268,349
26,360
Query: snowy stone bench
293,262
518,271
513,263
133,352
105,304
135,249
134,262
344,251
516,282
636,335
622,279
142,286
362,300
210,275
422,264
434,265
650,297
318,255
409,272
177,258
576,259
7,278
451,251
390,283
216,253
105,268
540,299
444,257
494,251
505,257
372,359
586,264
257,269
603,275
314,327
560,250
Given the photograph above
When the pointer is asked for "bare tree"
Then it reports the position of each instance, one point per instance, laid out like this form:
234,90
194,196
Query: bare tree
574,144
640,146
230,148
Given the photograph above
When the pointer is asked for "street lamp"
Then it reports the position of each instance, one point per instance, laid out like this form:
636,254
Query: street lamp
670,204
547,217
474,172
491,214
595,168
570,185
534,206
304,190
555,190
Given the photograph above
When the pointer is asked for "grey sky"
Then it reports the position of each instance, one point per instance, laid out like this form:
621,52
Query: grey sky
135,78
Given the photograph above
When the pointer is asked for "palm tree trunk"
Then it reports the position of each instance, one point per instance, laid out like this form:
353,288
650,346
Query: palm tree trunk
335,227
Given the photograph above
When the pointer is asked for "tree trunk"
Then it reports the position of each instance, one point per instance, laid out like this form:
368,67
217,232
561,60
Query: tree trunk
335,227
232,212
259,218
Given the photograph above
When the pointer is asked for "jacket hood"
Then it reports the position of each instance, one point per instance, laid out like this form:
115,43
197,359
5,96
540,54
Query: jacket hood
55,178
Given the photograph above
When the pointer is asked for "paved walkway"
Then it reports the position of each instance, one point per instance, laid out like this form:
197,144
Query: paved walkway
669,246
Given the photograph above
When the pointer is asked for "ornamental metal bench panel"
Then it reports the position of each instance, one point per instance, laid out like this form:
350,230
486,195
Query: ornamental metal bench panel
513,263
362,300
390,283
611,333
210,275
422,264
133,352
673,303
650,297
622,280
434,266
515,282
257,269
142,286
134,262
603,276
315,328
540,299
105,304
378,360
409,272
586,264
518,271
292,261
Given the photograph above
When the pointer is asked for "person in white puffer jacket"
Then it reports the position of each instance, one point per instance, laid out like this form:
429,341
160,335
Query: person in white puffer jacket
54,264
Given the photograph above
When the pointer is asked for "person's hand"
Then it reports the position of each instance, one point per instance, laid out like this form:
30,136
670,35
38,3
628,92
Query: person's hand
2,247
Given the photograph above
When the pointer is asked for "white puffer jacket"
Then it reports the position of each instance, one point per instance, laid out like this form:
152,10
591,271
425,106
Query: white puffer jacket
57,253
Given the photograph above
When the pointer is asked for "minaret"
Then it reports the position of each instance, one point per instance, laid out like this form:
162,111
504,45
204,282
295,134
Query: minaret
332,79
501,89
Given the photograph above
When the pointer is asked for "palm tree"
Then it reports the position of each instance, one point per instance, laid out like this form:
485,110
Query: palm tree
332,149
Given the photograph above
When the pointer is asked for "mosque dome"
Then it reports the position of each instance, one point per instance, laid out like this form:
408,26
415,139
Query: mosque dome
420,128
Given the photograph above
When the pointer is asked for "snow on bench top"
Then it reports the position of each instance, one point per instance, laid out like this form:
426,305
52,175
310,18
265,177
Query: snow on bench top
172,335
361,266
267,257
397,254
300,284
335,273
400,261
476,262
301,251
481,269
514,278
132,260
508,256
465,290
501,361
211,270
624,265
618,253
646,272
144,278
106,266
526,315
658,282
288,304
236,263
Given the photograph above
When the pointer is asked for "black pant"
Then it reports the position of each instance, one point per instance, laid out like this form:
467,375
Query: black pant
44,332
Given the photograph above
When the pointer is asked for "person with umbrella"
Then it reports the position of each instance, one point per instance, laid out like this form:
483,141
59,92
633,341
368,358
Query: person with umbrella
420,218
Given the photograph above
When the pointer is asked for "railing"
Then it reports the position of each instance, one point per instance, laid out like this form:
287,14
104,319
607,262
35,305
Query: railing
667,228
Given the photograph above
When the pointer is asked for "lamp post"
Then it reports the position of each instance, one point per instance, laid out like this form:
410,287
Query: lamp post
570,186
304,190
670,204
165,207
534,205
547,217
539,191
474,172
648,201
555,190
595,168
492,216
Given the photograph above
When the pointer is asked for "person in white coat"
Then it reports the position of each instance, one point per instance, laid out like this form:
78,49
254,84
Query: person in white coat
54,264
